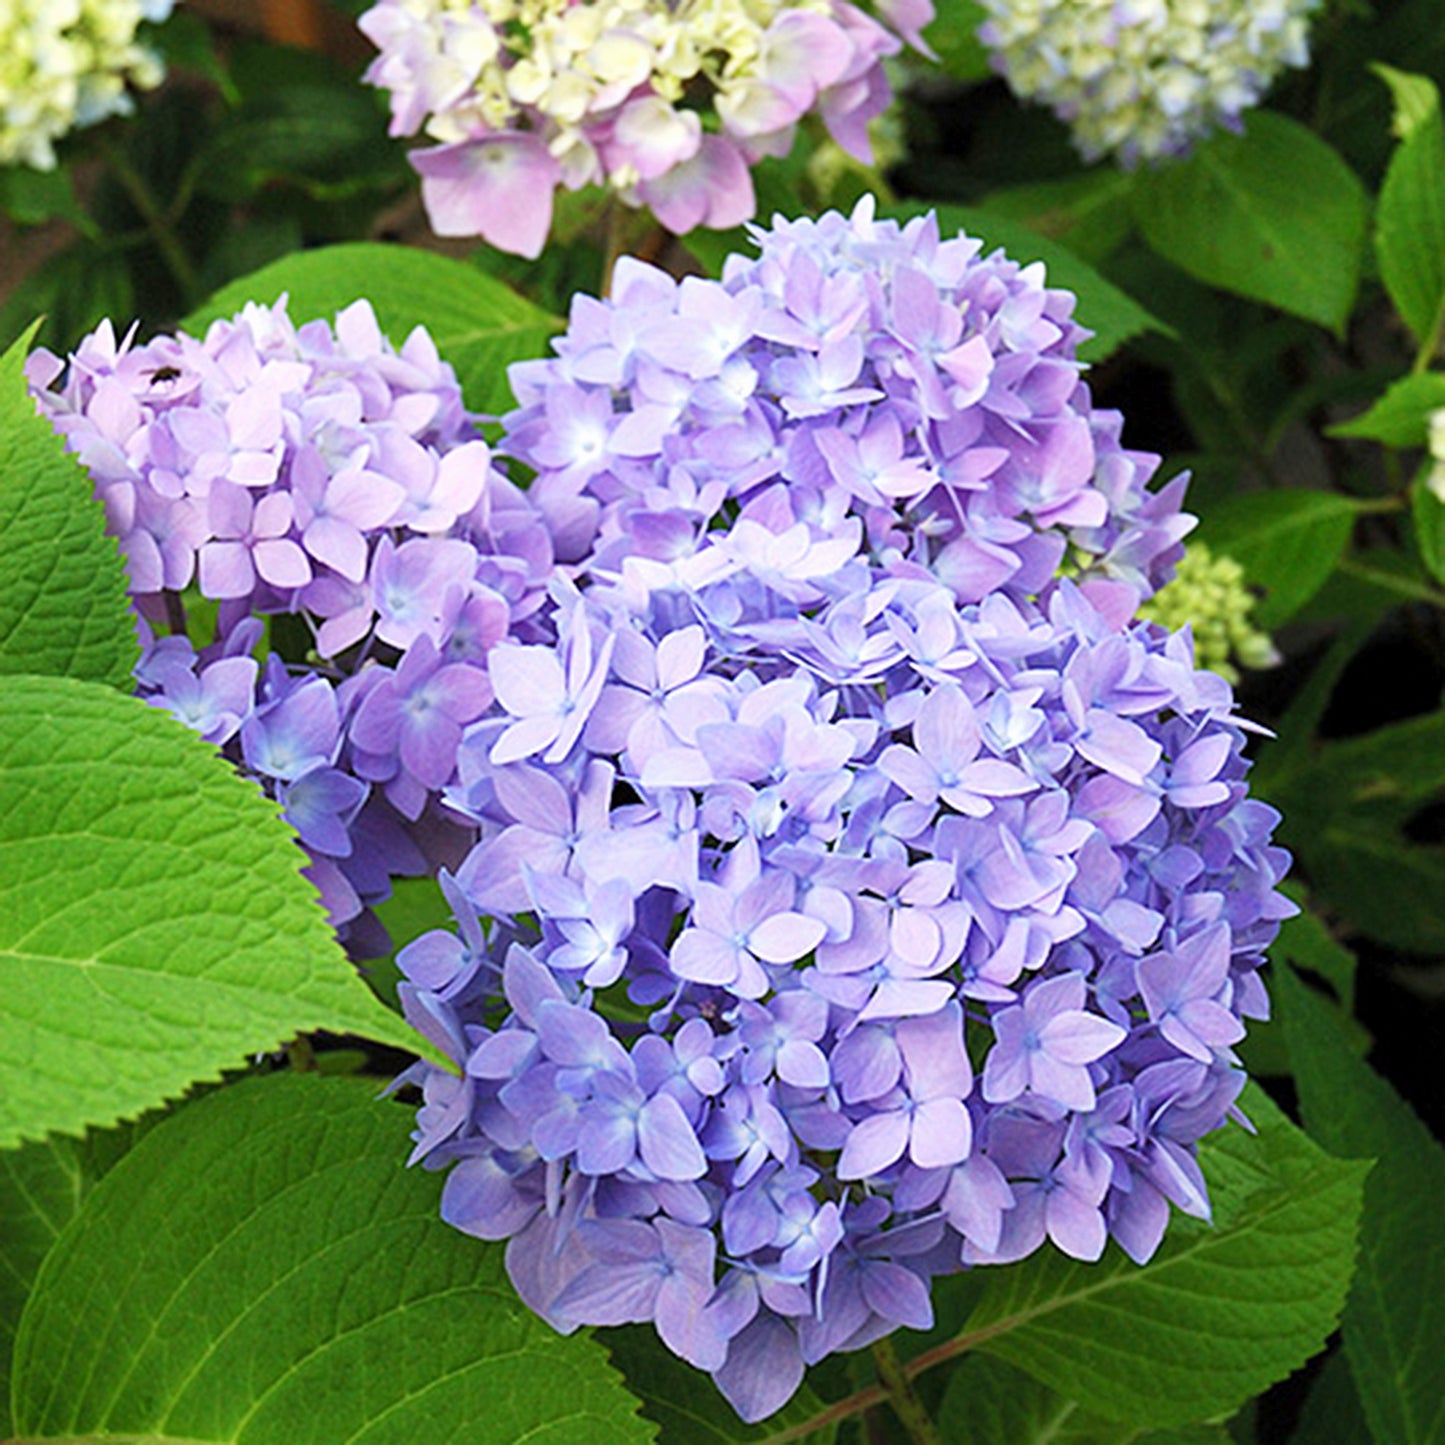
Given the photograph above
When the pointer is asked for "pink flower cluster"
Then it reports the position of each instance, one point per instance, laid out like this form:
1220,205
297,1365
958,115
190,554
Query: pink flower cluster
667,102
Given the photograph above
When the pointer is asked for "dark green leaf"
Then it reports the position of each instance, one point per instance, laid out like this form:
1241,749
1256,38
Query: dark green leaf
1307,943
1112,316
1274,215
41,1189
991,1403
686,1404
1428,514
186,42
953,37
478,324
1218,1314
1394,1321
1400,418
329,140
1332,1413
1410,217
1288,543
154,926
1088,213
63,608
29,196
1388,887
262,1269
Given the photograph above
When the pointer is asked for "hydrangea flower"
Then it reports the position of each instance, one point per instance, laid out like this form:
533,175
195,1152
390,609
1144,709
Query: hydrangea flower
843,935
523,96
886,391
66,65
321,479
1209,596
1145,79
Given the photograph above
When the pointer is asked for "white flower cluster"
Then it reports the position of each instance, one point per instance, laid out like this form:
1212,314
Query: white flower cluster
1144,79
1436,479
66,64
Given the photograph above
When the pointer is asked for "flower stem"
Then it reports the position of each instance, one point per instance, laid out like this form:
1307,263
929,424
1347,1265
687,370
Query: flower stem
158,223
912,1415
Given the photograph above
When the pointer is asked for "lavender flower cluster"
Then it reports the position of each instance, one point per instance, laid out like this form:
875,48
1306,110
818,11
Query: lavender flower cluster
320,477
856,939
844,895
834,926
525,96
855,379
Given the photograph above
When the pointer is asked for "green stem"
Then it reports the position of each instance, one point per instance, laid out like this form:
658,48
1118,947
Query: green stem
158,223
916,1422
1430,347
616,241
1388,582
866,1399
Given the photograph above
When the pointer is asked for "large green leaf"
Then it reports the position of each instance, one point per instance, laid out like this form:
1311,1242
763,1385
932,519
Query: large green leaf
478,324
62,589
154,927
1274,215
1410,217
1400,418
1394,1322
262,1268
1288,543
1111,315
1387,886
42,1186
988,1402
1088,213
1218,1314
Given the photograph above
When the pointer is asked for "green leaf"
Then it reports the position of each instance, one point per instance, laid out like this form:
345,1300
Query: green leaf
1400,418
63,607
328,140
186,42
1389,888
1218,1314
154,926
1394,1321
1112,316
29,196
1428,515
42,1186
262,1269
1307,943
1274,215
988,1402
1410,217
74,289
478,324
1288,543
1415,97
953,36
1088,213
1332,1413
687,1406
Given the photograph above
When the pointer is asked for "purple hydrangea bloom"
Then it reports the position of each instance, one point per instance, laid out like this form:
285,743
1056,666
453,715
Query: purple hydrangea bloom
323,474
824,970
886,393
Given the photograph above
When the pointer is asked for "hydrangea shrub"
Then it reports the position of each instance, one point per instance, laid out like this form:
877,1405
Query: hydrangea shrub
665,104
